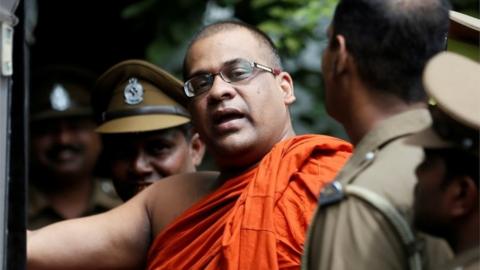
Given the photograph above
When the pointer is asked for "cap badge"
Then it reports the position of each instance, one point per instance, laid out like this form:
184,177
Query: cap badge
133,92
59,98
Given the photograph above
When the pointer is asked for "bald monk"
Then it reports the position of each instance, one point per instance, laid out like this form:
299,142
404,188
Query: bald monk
254,214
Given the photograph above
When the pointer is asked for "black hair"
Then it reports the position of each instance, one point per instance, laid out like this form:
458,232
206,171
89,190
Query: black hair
226,25
391,41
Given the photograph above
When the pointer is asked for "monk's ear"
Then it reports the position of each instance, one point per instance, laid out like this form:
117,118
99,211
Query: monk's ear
341,55
286,85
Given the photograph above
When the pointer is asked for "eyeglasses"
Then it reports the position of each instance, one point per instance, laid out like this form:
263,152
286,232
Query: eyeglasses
234,71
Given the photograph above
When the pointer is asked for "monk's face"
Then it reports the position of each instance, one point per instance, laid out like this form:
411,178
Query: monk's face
239,121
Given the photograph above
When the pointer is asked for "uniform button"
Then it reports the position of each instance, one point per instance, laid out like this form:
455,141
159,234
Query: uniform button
369,156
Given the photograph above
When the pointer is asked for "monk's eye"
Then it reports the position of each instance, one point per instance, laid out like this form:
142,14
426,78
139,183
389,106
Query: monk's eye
238,71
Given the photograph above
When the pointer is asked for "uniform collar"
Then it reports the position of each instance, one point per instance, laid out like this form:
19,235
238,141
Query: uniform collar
464,259
399,125
100,198
37,202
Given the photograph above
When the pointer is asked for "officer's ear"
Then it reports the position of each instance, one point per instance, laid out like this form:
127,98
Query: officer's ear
197,149
340,60
463,196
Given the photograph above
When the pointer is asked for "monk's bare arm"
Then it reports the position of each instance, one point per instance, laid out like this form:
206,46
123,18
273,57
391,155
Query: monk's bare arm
178,193
117,239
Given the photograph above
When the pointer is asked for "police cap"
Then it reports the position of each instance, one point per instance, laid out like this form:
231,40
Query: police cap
453,82
60,91
136,96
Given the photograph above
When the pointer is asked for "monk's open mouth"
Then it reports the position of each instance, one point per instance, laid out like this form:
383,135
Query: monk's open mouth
226,115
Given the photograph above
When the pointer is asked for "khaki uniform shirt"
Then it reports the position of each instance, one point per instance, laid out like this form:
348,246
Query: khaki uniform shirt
40,213
468,260
351,234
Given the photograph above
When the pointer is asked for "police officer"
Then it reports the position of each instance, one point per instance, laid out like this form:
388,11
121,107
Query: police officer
447,193
64,149
145,127
451,146
372,69
366,225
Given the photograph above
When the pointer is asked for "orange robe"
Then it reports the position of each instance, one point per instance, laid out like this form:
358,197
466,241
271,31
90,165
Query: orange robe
256,220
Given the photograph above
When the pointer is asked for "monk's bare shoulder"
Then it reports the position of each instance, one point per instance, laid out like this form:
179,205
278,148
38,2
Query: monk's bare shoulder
171,196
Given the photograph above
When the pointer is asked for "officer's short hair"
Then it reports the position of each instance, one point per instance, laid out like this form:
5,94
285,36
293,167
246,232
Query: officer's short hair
392,40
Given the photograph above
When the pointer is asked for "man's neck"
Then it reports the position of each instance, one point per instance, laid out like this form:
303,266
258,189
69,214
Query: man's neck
467,236
232,169
369,110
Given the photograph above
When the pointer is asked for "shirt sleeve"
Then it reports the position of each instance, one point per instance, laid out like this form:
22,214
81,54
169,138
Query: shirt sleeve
353,235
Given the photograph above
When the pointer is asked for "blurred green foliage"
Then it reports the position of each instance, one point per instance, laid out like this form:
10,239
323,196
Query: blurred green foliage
470,7
296,26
